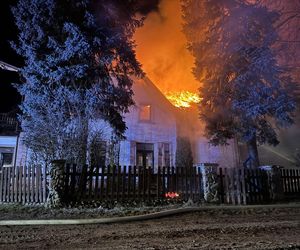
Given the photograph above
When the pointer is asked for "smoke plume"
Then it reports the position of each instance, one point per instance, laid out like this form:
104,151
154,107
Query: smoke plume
162,49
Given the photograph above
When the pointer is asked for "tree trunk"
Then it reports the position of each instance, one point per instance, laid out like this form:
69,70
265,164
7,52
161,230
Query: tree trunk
82,154
253,152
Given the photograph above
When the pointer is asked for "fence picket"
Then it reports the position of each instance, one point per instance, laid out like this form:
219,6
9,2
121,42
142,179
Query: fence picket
227,187
232,185
123,178
102,182
1,184
173,188
134,182
38,183
9,184
36,190
243,186
26,180
90,183
12,187
148,178
163,180
44,174
129,183
96,193
17,188
238,185
158,180
5,184
139,185
118,181
23,177
168,179
298,180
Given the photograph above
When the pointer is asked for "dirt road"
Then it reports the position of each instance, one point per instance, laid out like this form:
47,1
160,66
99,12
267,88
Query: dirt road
276,229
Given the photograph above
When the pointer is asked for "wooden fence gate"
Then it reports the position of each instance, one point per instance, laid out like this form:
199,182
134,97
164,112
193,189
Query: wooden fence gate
291,183
132,183
243,186
23,184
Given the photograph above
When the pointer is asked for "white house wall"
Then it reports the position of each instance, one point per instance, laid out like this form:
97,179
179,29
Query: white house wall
224,156
190,126
22,152
160,129
8,141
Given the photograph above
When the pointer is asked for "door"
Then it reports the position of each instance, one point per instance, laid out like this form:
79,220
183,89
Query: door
144,155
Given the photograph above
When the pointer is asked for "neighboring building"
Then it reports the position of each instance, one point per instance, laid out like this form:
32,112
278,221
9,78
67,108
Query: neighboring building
153,125
8,139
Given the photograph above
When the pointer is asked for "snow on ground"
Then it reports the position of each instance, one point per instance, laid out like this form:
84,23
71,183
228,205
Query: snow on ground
244,228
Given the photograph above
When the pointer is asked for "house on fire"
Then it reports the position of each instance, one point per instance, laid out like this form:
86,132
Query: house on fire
154,125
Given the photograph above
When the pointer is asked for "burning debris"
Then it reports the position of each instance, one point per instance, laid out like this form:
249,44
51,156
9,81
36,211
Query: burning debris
171,195
183,99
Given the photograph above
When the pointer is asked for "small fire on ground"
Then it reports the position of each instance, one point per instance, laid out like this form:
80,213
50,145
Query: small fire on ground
171,195
183,99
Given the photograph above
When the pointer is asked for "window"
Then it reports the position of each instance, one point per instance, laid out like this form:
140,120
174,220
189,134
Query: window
145,113
164,156
6,156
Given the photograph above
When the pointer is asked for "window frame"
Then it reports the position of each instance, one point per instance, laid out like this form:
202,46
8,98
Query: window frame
6,151
141,106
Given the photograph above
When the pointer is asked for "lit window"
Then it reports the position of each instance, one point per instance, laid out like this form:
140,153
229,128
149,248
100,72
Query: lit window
145,113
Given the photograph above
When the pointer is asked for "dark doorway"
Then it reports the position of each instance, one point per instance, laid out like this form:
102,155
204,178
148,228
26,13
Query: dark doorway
144,154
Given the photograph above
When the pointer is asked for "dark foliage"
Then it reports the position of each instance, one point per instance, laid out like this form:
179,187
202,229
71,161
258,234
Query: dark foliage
79,56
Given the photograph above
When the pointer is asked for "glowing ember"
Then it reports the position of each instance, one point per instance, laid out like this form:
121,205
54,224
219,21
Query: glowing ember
171,195
183,99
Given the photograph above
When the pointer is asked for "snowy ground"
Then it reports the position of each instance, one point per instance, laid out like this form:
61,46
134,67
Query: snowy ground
247,228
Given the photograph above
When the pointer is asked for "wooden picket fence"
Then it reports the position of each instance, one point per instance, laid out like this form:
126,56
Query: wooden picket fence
243,186
291,182
254,186
132,183
23,184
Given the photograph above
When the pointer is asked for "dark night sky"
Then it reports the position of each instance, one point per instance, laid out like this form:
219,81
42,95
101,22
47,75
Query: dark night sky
9,98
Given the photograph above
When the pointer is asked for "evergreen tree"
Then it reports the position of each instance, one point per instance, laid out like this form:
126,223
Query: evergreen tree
245,92
79,56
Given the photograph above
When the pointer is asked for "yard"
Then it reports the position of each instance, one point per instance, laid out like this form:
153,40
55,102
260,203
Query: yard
234,228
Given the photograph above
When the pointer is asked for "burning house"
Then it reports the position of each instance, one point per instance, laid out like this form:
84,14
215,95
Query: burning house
153,127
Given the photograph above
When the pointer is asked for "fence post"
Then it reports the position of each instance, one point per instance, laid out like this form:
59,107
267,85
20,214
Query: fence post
210,181
274,182
57,184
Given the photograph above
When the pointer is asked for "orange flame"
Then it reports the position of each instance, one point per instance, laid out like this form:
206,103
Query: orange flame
162,49
183,99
